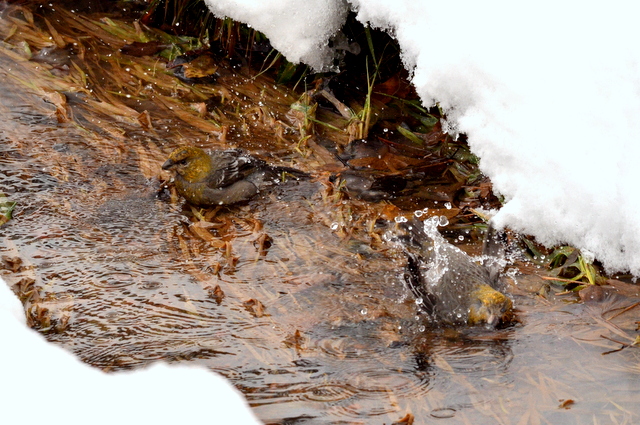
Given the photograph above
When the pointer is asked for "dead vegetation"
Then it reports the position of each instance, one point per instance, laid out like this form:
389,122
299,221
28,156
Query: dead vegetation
121,98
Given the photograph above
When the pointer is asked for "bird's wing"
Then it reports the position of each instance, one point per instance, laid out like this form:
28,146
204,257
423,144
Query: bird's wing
230,166
415,281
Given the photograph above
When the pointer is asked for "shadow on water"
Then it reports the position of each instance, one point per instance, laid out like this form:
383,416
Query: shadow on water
313,326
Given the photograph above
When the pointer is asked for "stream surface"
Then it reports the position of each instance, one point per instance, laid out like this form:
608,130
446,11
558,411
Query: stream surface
313,327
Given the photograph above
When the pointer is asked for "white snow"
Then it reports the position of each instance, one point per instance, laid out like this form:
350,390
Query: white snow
547,92
301,28
42,383
549,96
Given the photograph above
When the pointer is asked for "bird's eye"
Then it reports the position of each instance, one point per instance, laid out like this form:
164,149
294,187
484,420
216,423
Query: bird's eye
182,162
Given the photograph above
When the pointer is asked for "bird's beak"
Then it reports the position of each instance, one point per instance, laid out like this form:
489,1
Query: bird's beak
493,320
168,164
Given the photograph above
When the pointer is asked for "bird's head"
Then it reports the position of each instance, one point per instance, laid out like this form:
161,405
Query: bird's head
190,162
490,307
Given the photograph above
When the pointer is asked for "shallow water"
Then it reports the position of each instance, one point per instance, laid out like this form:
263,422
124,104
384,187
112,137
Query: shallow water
314,327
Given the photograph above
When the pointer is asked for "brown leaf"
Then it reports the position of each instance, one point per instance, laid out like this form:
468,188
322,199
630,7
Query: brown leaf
57,38
59,100
323,155
486,189
343,109
390,211
406,420
294,341
145,120
205,224
201,67
216,293
200,108
615,300
12,263
397,86
263,243
255,307
386,162
566,404
201,232
138,48
26,290
150,160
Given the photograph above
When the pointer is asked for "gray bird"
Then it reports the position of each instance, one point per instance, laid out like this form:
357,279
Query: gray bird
448,284
222,177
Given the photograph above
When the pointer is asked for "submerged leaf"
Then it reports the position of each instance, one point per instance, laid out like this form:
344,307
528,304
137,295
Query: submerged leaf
563,255
216,293
6,208
255,307
427,120
410,135
150,48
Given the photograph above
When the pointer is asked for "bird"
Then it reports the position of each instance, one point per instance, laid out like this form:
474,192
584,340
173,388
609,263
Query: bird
368,186
222,177
447,284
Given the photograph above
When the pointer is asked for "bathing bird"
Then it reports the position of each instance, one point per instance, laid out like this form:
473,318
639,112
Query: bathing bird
448,285
222,177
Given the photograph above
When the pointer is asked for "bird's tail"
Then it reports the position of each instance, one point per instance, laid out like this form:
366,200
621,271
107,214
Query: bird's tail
414,279
414,237
285,173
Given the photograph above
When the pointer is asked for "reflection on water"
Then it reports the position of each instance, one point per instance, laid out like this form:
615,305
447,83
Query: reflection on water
123,278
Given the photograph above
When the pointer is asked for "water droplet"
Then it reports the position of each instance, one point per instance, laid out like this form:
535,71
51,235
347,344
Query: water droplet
460,238
447,205
443,221
401,219
363,311
334,226
422,328
418,213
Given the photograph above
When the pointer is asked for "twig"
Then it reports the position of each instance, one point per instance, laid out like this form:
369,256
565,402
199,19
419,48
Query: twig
624,310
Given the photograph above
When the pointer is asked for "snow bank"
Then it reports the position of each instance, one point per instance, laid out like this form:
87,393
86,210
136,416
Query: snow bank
548,93
42,383
299,28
